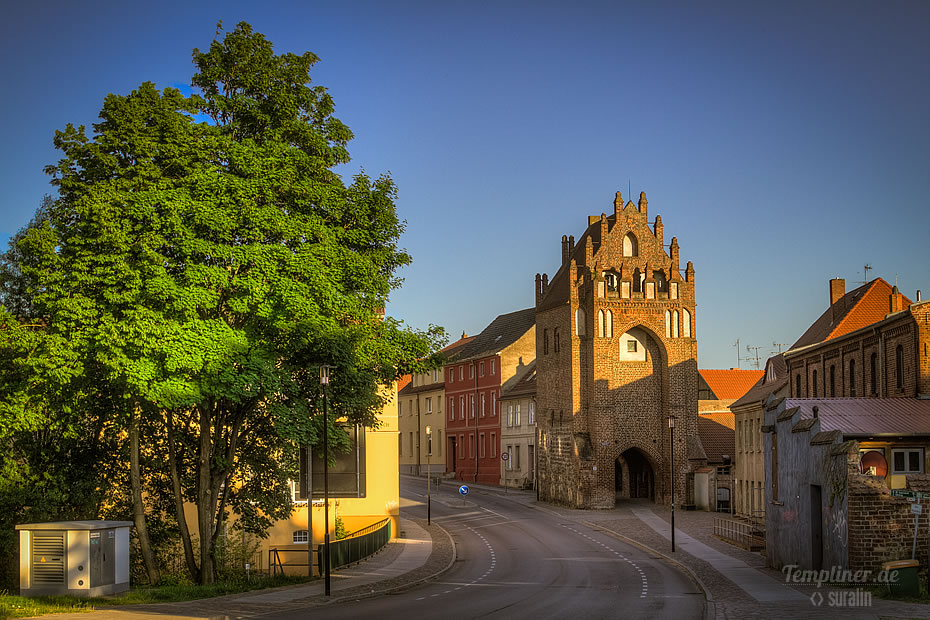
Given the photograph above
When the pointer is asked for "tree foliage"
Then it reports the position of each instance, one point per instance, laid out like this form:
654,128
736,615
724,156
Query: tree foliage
196,273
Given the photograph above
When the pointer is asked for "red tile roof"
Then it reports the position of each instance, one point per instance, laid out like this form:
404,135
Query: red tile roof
718,440
721,417
730,384
861,307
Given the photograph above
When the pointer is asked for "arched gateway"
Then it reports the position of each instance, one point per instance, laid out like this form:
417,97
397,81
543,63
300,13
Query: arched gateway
604,398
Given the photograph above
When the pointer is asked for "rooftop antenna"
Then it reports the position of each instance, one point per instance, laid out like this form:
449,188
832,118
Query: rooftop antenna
629,191
779,345
738,360
866,269
755,358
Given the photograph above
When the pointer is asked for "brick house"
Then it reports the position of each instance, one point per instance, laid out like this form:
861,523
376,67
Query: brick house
616,355
717,390
420,405
495,359
855,426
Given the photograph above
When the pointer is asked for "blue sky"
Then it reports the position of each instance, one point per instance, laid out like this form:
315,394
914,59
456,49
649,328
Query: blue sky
783,143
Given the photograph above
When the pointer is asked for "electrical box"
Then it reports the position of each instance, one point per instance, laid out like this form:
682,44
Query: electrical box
81,558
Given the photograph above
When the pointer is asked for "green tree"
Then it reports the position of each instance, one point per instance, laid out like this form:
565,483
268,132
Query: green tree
201,271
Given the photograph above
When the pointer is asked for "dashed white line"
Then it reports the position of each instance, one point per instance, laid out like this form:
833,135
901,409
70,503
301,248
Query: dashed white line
642,575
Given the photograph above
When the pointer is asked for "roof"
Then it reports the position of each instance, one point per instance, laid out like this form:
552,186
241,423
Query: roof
526,386
453,349
730,384
766,386
500,334
856,417
862,306
721,417
718,439
75,525
405,384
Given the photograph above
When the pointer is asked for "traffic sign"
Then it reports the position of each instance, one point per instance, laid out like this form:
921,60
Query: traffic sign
463,489
505,456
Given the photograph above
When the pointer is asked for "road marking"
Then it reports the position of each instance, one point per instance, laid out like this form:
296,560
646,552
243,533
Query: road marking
642,576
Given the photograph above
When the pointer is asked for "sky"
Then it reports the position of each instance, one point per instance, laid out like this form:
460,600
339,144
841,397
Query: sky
783,143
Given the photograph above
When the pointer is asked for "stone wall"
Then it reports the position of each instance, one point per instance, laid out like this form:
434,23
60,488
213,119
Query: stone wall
881,526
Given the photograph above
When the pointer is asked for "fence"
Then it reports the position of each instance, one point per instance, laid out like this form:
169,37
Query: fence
357,546
276,565
741,533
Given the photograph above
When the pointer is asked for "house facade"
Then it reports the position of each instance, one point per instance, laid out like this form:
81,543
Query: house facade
474,380
616,353
518,430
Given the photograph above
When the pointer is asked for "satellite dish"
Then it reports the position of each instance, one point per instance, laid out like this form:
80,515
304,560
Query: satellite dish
874,463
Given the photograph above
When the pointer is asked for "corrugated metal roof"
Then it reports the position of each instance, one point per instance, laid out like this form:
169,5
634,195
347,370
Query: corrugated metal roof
867,416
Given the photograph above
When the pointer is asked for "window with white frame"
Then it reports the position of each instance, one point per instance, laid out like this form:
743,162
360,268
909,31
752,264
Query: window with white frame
493,367
461,373
531,415
907,461
461,407
300,537
471,371
483,399
493,404
509,414
481,369
452,375
516,415
429,405
471,399
452,407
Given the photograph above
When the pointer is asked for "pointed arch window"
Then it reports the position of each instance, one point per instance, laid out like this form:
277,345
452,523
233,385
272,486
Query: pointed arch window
686,323
630,245
668,324
600,323
609,324
675,324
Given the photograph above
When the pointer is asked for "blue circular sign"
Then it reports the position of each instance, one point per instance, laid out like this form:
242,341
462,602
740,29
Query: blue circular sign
463,489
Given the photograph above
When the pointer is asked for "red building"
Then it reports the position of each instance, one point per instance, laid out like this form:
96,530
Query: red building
493,360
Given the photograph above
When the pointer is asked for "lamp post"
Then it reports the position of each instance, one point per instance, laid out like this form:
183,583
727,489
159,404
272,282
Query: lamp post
324,381
429,453
671,436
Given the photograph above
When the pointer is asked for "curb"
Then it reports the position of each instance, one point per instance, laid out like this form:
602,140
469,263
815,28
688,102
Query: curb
709,604
373,593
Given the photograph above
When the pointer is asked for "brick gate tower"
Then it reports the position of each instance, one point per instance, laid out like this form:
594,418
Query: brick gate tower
616,355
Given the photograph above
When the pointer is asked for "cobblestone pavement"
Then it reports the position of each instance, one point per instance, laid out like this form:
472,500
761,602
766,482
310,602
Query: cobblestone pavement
729,600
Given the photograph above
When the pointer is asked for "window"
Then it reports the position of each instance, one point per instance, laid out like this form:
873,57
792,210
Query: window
509,415
673,290
668,324
610,281
545,342
471,445
452,375
435,375
471,400
600,323
493,445
686,323
675,324
852,377
516,415
814,385
609,324
907,461
483,397
872,377
516,456
797,386
429,405
481,369
300,537
481,444
429,444
899,366
440,443
471,371
493,367
579,322
630,246
461,407
555,340
509,464
493,404
531,415
452,407
411,443
461,373
832,381
775,467
631,346
461,451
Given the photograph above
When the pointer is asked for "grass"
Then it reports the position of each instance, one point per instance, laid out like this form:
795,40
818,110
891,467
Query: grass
884,592
21,607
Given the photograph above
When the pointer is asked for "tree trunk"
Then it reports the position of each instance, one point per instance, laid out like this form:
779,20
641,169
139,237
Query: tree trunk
148,557
189,558
205,495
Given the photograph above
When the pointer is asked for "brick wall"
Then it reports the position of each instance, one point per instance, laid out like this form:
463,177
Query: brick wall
880,526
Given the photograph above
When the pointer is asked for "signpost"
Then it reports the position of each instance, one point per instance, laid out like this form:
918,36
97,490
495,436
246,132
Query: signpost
464,491
505,456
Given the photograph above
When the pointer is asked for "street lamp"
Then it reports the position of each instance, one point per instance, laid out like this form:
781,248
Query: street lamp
671,436
429,453
324,381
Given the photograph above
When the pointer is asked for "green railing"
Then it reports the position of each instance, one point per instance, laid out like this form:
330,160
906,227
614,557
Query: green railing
357,546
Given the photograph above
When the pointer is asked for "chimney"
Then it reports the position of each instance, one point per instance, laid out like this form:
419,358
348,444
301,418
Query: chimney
564,249
918,295
837,291
895,300
618,203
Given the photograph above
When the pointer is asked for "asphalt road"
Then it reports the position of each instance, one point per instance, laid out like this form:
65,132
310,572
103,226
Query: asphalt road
519,561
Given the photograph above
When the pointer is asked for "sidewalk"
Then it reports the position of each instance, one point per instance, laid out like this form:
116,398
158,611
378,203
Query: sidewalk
417,555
